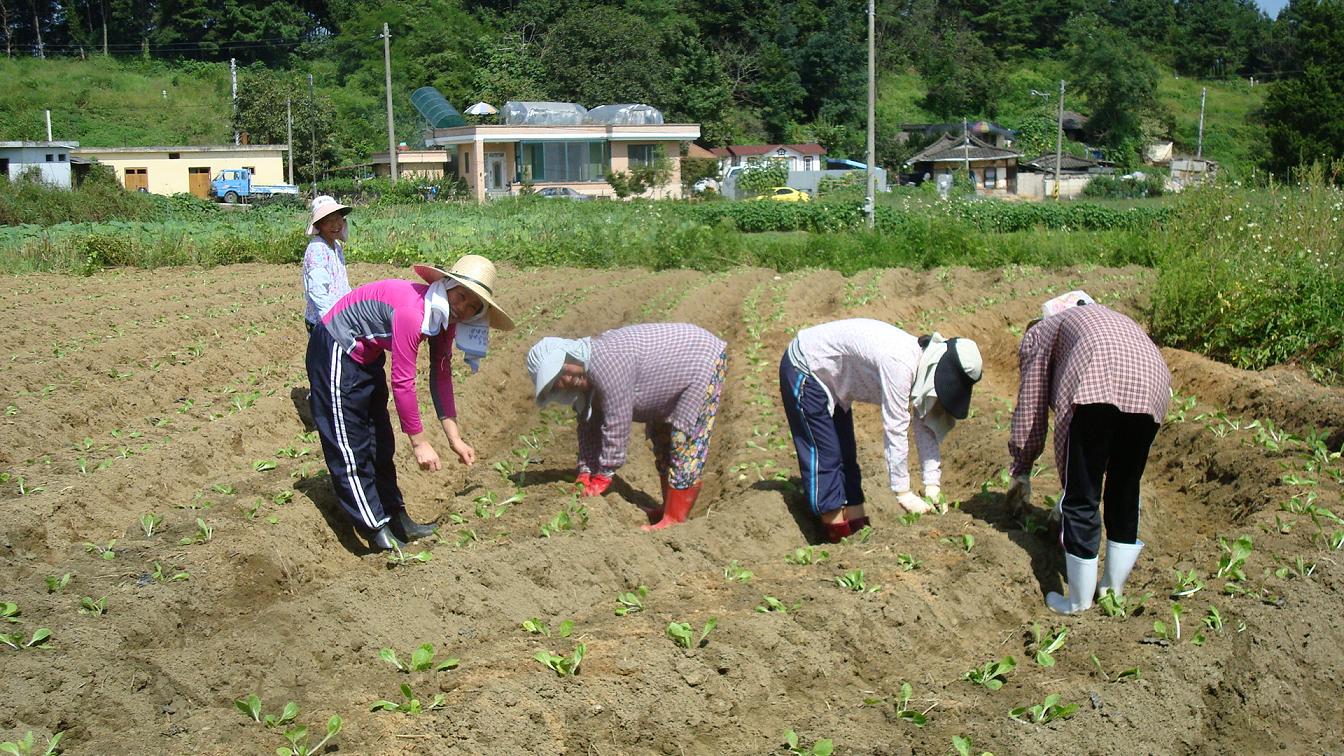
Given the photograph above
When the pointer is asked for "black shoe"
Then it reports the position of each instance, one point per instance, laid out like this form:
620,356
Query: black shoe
383,540
409,530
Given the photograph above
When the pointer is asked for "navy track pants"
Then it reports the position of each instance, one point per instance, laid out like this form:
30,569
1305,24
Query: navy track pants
349,405
827,454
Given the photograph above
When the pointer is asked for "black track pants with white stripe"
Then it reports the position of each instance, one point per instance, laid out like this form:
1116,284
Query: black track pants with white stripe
349,405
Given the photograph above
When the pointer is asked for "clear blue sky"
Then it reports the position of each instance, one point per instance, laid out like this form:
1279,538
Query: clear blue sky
1271,7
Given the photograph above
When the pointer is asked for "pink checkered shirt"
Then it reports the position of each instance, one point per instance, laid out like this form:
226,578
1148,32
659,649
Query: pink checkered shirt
656,372
1084,355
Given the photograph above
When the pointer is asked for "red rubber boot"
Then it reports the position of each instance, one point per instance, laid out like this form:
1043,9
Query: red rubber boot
677,503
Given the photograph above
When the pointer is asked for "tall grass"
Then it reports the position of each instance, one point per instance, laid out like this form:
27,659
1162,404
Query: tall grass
1257,278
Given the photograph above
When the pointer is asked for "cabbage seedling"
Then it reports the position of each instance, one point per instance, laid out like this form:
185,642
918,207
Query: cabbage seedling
563,666
1125,674
1187,584
1233,559
286,715
401,558
160,576
96,607
1214,620
57,584
853,580
735,572
908,562
1169,632
298,739
807,555
16,641
104,552
263,465
962,745
25,745
149,522
863,536
410,704
631,601
1115,605
1047,645
1044,713
204,532
683,633
823,747
422,660
771,604
992,674
538,627
901,704
10,611
250,706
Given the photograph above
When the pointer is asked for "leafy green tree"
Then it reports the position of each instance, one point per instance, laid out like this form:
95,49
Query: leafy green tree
1119,83
961,75
699,91
762,174
777,92
1220,37
1305,114
597,55
262,93
507,68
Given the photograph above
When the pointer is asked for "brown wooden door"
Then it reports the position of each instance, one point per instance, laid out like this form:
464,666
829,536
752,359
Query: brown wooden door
199,182
137,179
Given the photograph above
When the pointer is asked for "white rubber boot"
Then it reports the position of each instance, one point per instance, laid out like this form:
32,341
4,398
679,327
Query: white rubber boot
1082,575
1120,559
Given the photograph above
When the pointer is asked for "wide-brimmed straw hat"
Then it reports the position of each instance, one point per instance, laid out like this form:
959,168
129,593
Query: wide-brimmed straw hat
324,205
477,274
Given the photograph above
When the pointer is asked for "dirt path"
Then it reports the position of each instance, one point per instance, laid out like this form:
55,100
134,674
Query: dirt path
182,393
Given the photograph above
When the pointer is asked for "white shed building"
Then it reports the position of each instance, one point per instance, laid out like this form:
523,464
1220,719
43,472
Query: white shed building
51,160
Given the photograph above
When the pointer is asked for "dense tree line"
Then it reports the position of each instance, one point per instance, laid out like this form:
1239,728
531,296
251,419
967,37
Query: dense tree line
748,70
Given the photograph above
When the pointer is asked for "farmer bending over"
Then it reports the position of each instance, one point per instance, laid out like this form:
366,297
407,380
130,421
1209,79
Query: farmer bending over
1109,388
349,387
668,376
829,367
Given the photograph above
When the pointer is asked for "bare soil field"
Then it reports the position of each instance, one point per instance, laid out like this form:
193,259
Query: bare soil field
182,393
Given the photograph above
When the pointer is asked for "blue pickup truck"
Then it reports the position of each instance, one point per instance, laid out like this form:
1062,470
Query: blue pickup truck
235,185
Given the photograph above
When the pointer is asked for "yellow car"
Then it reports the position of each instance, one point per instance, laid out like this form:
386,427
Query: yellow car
785,194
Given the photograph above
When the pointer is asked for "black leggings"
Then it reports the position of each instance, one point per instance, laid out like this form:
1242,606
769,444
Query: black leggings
1103,442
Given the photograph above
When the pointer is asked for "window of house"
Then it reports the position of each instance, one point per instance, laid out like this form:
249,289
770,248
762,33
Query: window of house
4,166
642,154
51,158
991,177
174,156
60,157
563,161
807,162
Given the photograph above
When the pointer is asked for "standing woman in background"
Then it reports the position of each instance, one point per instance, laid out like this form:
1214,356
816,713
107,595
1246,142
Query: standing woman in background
324,276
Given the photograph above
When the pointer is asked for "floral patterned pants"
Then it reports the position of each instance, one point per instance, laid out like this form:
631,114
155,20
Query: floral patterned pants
680,455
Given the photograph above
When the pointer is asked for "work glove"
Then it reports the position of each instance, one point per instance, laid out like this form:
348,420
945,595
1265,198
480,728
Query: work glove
596,485
1019,495
911,502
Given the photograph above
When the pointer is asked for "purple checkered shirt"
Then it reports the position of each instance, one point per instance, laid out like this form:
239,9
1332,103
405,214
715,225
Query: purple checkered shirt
1084,355
657,372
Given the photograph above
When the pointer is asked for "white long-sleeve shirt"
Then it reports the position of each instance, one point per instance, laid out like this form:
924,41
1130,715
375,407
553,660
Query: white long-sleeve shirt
862,360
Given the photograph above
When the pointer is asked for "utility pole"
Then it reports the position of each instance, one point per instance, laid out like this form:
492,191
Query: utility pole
1059,138
312,118
233,81
966,151
1199,148
870,207
391,132
48,112
289,136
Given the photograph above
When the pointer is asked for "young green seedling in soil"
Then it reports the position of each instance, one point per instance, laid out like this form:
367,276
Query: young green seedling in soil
10,611
965,542
204,532
1213,620
571,517
1233,560
159,576
1044,713
263,465
807,555
631,601
298,739
57,584
1298,568
1125,674
149,522
901,704
909,518
822,747
1187,584
771,604
286,716
422,660
1115,605
410,704
1169,632
563,666
908,562
683,633
25,745
962,745
853,580
96,607
250,706
537,627
399,558
735,572
992,674
1047,645
39,640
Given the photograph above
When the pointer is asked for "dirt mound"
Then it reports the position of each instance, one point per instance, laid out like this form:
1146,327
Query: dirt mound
182,394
